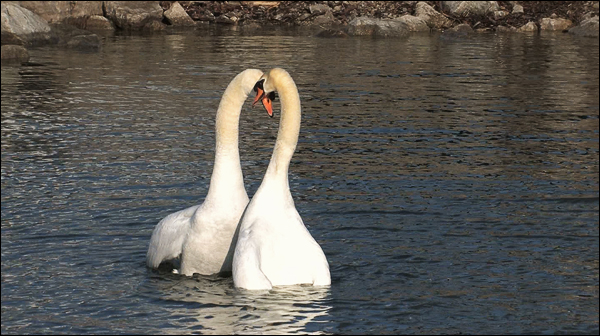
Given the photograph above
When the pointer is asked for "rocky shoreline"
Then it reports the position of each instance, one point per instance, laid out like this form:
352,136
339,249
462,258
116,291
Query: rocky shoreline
77,24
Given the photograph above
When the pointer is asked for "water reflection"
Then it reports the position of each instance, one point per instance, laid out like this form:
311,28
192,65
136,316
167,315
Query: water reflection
210,305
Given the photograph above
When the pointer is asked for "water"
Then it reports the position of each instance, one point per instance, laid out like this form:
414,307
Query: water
452,183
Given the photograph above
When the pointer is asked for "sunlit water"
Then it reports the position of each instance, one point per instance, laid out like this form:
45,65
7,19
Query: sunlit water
451,181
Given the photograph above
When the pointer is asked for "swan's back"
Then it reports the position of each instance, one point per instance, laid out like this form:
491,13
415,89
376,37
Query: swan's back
168,236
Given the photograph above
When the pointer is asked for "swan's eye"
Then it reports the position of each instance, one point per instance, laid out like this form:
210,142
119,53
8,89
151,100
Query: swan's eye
271,95
259,85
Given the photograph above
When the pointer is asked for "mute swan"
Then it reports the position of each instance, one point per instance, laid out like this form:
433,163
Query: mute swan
204,235
274,248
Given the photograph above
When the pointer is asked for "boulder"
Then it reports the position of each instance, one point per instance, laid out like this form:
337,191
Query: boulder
587,28
528,27
364,26
73,37
11,38
14,54
467,8
499,14
462,28
94,22
21,21
325,19
134,15
28,26
518,9
414,23
84,42
433,18
177,16
319,9
153,26
555,24
97,22
57,11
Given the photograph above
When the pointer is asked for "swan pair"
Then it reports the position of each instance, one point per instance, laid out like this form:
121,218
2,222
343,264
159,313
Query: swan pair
264,242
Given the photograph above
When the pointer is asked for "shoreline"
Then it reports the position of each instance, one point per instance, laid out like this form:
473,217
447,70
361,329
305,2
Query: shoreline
79,24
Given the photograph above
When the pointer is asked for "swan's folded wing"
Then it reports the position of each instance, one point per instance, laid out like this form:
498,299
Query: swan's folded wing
168,237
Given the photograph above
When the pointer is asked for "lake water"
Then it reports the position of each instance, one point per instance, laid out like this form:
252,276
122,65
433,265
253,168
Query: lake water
452,182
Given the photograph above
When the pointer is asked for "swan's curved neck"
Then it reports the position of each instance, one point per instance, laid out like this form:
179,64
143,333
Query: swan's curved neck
227,170
289,127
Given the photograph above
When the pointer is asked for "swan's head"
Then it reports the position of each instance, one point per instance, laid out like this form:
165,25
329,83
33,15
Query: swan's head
266,97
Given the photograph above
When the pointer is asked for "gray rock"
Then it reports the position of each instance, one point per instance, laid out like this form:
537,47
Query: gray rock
304,16
84,42
518,9
433,18
134,15
153,26
14,54
325,19
463,28
505,29
555,24
499,14
319,9
414,24
57,11
73,37
177,16
466,8
11,38
21,21
97,22
587,28
364,26
528,27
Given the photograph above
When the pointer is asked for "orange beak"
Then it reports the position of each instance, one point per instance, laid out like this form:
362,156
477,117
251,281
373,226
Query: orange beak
267,103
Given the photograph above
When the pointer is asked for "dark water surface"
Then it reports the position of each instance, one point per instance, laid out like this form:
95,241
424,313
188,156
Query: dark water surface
451,181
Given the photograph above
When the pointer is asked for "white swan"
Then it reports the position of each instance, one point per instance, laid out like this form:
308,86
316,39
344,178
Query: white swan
274,248
203,236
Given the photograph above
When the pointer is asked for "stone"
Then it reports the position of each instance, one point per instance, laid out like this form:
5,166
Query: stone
177,16
14,54
21,21
57,11
73,37
84,42
433,18
528,27
464,28
134,15
325,19
97,22
518,9
499,14
319,9
11,38
467,8
154,26
364,26
555,24
587,28
414,23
